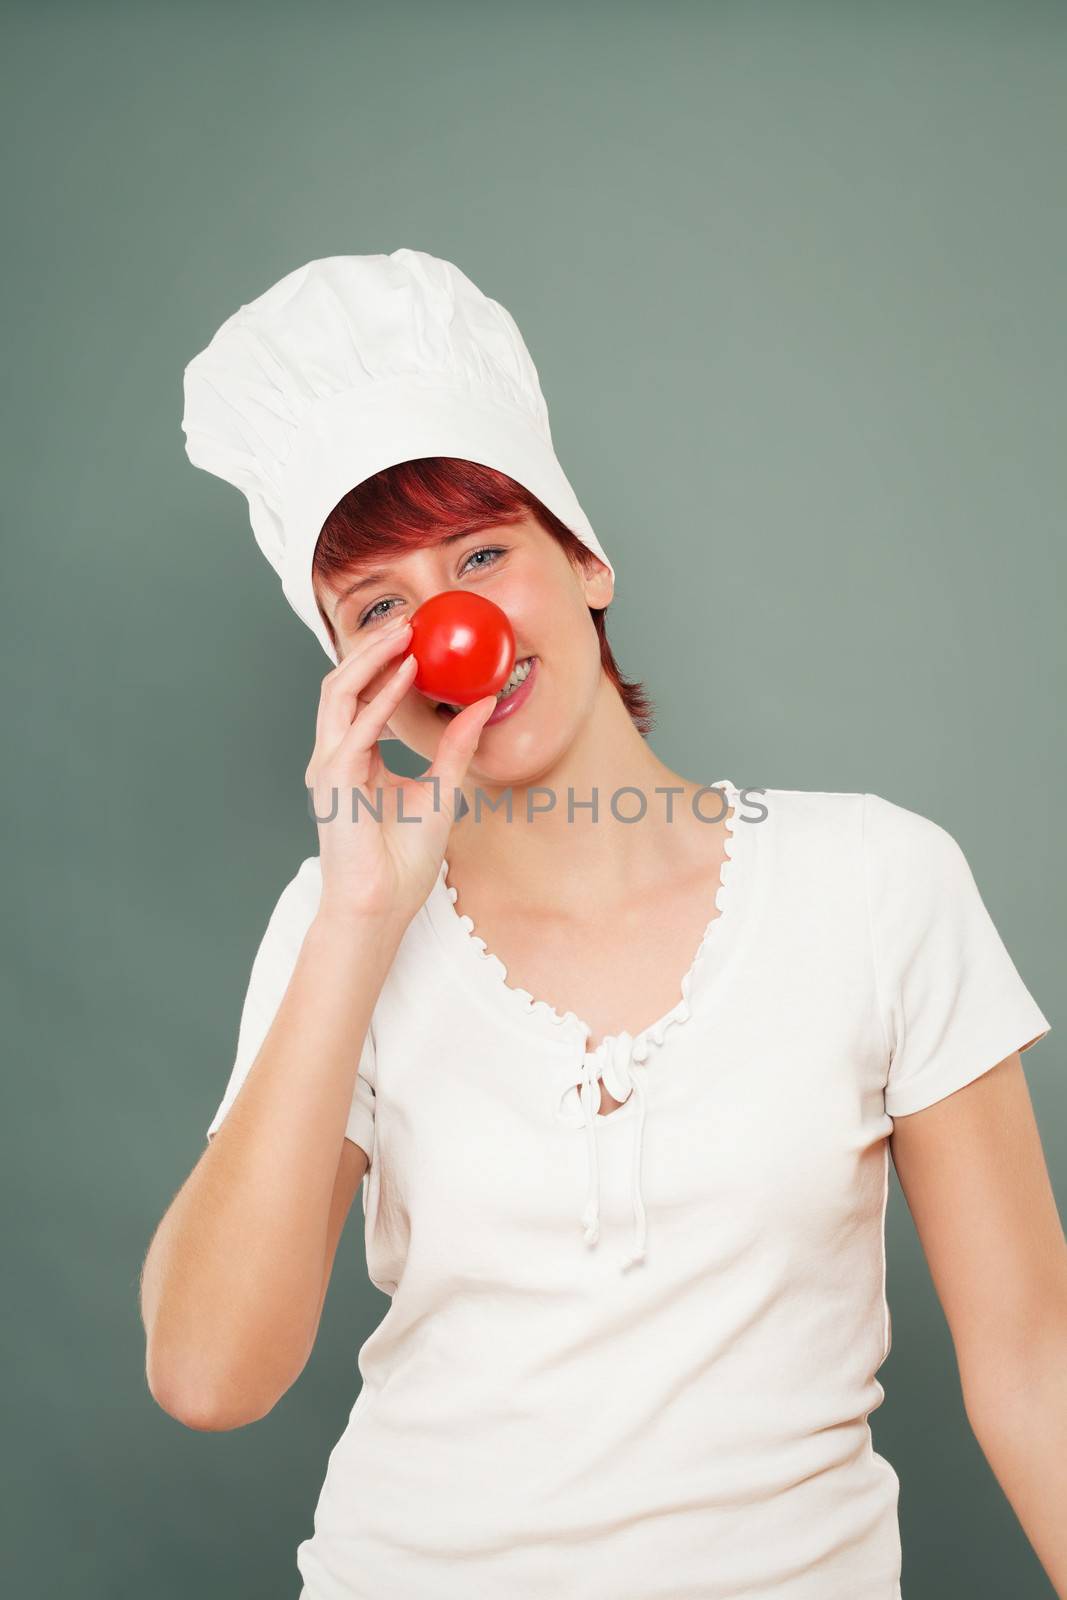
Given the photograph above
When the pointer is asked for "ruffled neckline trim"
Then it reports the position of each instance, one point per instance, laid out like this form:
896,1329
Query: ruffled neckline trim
493,973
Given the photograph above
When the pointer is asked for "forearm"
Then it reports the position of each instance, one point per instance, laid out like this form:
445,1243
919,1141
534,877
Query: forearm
1017,1406
232,1282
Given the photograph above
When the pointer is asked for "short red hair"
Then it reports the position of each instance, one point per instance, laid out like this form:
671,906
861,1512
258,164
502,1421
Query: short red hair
415,503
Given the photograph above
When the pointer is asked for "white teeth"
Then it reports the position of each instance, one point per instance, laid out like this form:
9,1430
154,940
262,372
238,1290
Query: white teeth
519,673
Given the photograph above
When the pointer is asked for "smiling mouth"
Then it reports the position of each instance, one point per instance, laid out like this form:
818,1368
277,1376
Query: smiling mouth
520,672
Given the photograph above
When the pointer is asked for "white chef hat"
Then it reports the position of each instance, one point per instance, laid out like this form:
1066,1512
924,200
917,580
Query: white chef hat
351,364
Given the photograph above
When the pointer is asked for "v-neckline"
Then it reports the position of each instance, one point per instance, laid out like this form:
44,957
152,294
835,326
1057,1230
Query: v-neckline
490,974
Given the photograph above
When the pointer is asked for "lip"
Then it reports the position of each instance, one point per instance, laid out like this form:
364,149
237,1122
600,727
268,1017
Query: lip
508,707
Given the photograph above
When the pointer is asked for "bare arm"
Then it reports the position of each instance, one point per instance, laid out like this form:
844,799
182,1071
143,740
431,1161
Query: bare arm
236,1275
973,1172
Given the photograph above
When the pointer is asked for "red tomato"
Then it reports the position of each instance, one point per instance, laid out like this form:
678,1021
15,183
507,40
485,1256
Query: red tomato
464,646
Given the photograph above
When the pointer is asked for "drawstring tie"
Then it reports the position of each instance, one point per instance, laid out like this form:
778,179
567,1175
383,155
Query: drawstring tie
612,1060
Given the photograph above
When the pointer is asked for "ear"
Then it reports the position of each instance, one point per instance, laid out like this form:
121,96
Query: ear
598,585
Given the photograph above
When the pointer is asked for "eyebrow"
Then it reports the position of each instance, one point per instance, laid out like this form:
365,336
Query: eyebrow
382,574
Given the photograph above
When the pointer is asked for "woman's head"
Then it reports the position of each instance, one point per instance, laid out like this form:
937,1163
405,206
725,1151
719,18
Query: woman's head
439,522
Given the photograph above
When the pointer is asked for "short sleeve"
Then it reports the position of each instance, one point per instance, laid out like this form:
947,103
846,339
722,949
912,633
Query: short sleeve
272,969
951,1001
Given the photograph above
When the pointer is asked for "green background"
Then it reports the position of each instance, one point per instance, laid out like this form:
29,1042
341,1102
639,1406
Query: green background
792,276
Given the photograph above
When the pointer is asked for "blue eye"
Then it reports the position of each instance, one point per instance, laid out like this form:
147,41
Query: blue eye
486,550
375,615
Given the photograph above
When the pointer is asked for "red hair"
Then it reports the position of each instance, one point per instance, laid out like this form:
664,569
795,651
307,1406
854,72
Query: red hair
416,503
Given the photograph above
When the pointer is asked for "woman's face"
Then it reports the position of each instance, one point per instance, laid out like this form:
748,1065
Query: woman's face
523,570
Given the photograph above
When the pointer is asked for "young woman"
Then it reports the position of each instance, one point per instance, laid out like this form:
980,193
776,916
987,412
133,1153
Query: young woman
621,1055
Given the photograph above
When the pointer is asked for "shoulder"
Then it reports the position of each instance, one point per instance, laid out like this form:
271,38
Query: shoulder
919,883
908,845
881,825
303,891
295,906
840,842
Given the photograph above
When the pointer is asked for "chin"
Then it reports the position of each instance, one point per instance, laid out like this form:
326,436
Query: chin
519,761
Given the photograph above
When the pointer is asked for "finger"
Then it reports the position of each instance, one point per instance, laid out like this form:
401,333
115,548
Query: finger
360,740
343,689
458,743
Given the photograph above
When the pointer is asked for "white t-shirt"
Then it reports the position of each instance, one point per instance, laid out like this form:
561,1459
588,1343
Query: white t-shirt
536,1417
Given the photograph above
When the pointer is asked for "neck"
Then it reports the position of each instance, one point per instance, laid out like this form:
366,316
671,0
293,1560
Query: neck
568,842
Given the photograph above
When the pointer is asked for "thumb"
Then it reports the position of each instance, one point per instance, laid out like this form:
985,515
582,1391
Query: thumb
459,742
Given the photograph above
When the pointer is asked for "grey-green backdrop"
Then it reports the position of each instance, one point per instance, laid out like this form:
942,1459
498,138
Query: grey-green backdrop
793,278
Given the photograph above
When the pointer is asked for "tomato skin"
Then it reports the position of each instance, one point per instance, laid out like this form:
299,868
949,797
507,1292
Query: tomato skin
464,646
